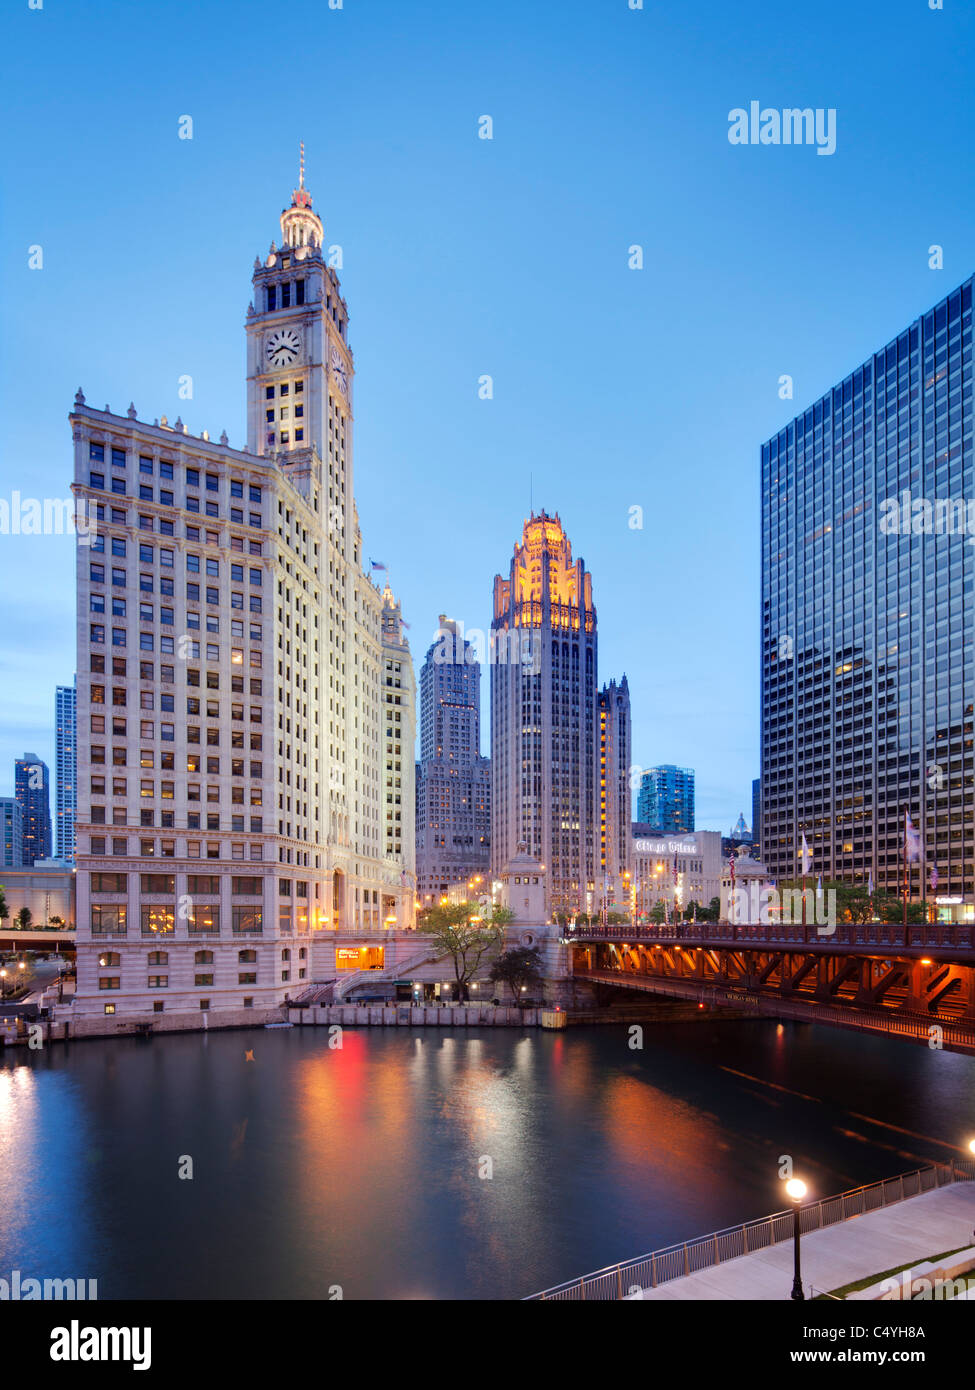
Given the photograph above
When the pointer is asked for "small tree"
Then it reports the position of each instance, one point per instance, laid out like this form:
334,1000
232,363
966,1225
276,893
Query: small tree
658,913
56,922
521,966
4,909
24,919
458,930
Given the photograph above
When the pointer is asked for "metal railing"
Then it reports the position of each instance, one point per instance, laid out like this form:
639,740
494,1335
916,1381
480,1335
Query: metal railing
704,1252
920,936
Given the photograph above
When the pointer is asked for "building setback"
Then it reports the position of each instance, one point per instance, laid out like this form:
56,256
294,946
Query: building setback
65,768
245,692
33,791
453,787
545,723
868,618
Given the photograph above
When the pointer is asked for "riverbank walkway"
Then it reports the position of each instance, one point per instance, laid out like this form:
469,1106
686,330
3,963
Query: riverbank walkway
908,1232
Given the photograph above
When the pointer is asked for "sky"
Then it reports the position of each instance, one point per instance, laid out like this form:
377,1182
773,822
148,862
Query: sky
613,388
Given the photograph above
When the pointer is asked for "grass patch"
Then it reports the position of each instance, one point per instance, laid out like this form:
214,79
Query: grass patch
886,1274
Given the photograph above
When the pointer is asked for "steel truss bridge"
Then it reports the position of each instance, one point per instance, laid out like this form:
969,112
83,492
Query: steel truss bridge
917,983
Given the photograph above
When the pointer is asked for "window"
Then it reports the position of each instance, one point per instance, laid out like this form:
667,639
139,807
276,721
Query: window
203,980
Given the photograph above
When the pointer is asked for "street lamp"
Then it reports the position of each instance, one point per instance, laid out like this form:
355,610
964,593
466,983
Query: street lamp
796,1189
3,983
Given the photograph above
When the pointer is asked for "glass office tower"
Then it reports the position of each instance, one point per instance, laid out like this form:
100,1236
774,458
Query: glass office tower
665,801
867,618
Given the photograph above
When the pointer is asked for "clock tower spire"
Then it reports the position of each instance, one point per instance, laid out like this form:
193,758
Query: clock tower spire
299,364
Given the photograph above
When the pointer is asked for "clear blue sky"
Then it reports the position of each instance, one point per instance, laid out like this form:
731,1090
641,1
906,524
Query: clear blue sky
613,387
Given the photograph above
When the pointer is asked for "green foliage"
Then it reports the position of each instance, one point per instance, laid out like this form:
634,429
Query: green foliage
521,966
460,931
24,919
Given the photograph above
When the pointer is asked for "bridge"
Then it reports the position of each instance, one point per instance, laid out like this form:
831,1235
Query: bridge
917,983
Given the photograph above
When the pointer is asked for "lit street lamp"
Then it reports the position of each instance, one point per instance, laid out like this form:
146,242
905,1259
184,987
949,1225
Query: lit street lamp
796,1189
3,983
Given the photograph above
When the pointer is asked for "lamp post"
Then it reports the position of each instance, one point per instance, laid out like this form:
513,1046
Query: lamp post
3,983
796,1189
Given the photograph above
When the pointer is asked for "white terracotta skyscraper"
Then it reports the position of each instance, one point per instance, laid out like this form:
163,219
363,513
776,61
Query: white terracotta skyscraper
245,693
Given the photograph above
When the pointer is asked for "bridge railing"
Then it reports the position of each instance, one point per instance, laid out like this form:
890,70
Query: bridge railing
704,1252
927,935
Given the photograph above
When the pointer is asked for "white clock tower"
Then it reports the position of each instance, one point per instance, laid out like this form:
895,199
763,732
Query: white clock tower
299,366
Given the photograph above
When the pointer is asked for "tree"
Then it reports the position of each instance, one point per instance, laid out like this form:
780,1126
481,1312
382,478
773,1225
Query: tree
4,909
56,922
24,919
517,968
460,931
658,913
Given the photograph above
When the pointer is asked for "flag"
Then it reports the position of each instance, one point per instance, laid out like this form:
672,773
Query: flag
377,565
806,856
934,877
819,886
870,883
912,840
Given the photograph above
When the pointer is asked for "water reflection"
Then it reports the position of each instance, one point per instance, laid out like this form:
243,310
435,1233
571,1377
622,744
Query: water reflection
425,1165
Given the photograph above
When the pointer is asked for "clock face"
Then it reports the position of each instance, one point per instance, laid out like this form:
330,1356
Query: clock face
282,347
338,370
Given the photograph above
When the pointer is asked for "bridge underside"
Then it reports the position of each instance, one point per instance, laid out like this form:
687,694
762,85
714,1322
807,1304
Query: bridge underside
920,999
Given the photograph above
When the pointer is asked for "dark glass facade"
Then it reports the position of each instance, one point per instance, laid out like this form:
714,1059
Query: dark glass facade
867,617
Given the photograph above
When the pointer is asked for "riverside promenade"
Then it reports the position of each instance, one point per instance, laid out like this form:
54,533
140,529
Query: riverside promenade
907,1233
853,1236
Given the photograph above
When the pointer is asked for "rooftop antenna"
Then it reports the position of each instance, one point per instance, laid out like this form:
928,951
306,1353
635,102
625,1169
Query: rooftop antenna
531,494
301,165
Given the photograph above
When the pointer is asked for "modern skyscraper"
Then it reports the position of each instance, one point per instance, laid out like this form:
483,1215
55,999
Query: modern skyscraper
869,617
65,768
666,799
33,791
11,833
237,793
545,723
453,820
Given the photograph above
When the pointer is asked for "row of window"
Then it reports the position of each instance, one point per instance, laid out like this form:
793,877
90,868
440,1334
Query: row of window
96,571
159,919
195,849
147,465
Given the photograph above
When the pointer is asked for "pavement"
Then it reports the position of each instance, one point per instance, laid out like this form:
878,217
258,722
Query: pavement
905,1233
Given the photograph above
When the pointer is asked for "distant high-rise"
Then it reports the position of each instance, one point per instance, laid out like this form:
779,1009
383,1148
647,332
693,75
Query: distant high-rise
546,729
868,627
666,799
65,768
615,835
453,801
33,791
11,833
740,831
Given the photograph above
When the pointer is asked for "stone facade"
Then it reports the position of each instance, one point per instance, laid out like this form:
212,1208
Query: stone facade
245,691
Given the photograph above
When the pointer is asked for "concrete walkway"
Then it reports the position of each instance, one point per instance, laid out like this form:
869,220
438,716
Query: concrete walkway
907,1232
